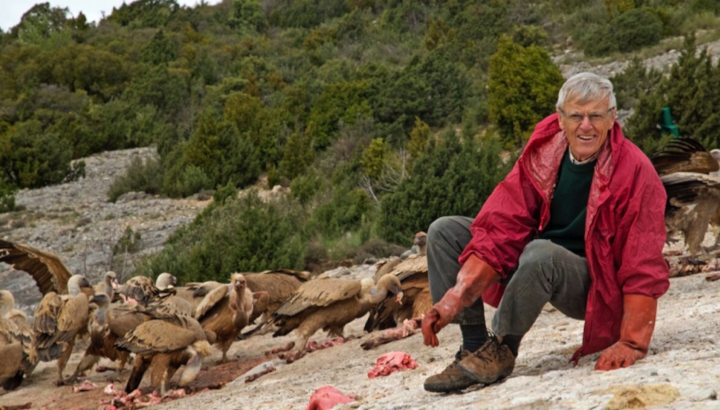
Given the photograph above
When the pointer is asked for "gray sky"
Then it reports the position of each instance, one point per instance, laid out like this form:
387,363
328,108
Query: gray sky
12,10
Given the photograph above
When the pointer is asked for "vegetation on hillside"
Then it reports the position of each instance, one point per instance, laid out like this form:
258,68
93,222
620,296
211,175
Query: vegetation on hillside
380,116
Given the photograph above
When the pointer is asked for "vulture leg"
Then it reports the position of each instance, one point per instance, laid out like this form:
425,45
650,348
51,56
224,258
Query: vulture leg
140,366
158,376
336,331
63,359
225,346
87,362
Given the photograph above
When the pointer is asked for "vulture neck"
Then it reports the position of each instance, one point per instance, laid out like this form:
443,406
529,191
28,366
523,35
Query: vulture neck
375,296
109,290
192,368
421,250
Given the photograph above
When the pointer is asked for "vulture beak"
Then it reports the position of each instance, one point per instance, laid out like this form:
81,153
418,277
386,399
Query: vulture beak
399,298
115,285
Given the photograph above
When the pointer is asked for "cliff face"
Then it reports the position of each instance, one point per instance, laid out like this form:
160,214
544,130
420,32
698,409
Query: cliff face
75,221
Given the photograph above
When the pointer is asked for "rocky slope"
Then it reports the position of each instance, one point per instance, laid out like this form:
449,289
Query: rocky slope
75,221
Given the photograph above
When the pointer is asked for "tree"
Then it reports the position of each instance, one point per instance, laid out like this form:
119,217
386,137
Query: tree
523,86
160,50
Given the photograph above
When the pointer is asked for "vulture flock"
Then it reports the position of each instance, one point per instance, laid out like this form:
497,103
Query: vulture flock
162,329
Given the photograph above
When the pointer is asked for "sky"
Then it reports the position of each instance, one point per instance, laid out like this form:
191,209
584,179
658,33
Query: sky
12,10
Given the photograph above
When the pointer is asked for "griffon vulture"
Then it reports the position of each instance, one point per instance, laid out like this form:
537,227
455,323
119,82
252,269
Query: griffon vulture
413,274
330,304
19,329
164,343
225,311
279,286
58,319
50,274
142,290
690,176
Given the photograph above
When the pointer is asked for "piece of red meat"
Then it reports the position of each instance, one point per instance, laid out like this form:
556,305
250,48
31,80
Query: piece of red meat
392,362
327,397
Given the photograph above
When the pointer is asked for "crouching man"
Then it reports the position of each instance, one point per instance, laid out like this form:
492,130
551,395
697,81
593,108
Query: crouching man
578,222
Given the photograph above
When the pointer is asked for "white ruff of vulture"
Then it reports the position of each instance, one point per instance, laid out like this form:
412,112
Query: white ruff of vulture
225,311
48,271
163,344
416,300
330,304
690,176
59,319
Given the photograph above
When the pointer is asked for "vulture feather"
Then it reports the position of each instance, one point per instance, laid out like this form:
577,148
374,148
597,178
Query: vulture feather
279,286
11,352
163,344
48,271
330,304
19,328
690,176
58,320
225,311
416,300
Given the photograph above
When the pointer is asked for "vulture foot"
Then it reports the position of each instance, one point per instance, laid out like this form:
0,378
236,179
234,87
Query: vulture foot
292,356
284,348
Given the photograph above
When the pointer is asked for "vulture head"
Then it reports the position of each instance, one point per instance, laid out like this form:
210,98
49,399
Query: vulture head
421,242
165,281
111,283
7,303
388,283
238,282
77,284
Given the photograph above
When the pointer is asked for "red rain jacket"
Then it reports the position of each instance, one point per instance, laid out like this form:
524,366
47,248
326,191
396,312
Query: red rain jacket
624,227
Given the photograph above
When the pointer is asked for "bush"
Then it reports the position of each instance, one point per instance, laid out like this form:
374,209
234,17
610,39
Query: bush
244,235
451,178
637,28
523,86
140,176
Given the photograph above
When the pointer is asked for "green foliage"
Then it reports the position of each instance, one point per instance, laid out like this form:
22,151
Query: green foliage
419,137
245,235
634,82
144,13
691,93
438,33
455,178
160,50
304,187
523,86
631,30
224,193
140,176
298,155
344,102
247,16
7,198
374,158
129,242
346,211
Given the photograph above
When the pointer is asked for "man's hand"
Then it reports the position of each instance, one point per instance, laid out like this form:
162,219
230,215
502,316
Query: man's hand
617,356
636,331
474,278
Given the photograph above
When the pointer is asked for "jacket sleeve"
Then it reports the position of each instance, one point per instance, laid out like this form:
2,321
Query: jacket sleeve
506,223
642,268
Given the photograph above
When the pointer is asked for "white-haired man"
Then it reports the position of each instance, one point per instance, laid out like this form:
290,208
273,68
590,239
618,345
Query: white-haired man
578,223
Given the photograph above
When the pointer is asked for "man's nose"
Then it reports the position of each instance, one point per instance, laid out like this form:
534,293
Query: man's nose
586,124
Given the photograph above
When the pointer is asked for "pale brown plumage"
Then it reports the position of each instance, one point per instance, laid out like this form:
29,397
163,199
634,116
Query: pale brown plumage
11,352
330,304
108,285
58,320
225,311
102,338
690,176
163,344
48,271
413,274
142,290
279,286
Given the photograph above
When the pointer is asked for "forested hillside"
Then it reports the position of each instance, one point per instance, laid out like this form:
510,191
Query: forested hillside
379,116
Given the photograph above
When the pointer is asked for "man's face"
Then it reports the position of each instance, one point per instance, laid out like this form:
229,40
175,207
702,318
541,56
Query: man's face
586,126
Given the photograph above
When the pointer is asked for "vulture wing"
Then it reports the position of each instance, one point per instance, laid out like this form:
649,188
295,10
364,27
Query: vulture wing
156,336
210,300
693,200
50,274
319,292
409,267
684,155
303,276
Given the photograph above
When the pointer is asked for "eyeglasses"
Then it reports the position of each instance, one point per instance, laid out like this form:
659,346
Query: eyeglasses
594,118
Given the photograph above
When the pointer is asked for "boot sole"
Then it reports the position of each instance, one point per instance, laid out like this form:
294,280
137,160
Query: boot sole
485,380
437,388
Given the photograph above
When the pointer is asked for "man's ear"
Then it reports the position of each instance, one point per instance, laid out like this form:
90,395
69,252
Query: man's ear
560,120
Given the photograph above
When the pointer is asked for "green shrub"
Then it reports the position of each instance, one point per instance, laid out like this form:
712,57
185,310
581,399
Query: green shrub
140,176
245,234
637,28
451,178
523,87
129,242
634,82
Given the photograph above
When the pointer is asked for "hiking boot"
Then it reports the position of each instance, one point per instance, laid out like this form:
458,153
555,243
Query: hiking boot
490,363
451,379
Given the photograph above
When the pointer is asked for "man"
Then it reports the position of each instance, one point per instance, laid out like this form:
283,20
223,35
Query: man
578,222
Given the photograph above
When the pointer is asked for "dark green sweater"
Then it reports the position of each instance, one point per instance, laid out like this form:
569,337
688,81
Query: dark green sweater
569,206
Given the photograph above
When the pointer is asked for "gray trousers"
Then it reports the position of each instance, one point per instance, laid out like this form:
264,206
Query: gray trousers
546,272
